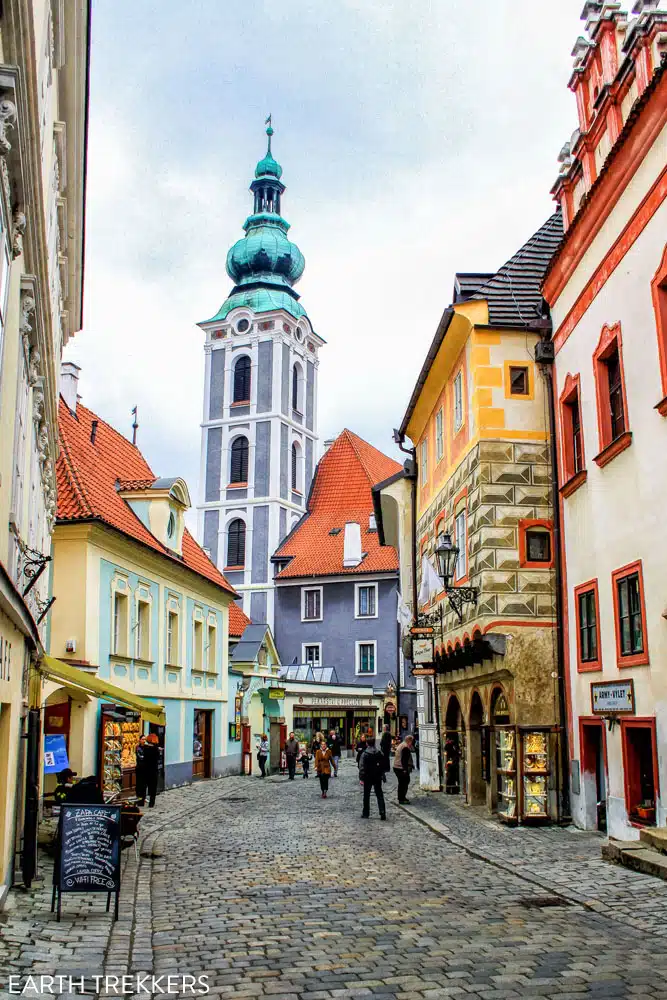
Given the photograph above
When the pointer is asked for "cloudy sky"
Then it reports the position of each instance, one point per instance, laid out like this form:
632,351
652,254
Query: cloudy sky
417,139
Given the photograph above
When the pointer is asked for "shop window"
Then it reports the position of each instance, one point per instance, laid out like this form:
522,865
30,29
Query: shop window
197,644
423,471
142,645
211,647
439,435
312,654
458,401
238,472
640,766
659,292
612,407
311,604
236,543
535,544
461,531
120,624
241,380
573,464
630,616
429,701
366,600
587,611
366,657
172,638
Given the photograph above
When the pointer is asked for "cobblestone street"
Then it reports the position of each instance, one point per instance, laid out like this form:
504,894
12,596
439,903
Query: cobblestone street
276,894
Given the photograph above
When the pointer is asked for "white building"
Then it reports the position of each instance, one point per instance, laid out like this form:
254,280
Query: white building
259,430
607,289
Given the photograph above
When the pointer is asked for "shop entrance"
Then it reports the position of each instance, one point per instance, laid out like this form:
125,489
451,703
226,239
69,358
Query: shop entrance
594,775
477,768
454,748
201,744
276,743
640,763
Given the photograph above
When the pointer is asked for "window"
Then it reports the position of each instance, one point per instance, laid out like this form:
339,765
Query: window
366,595
538,546
241,382
423,472
366,657
518,381
429,700
572,456
577,442
659,293
312,654
296,387
311,604
239,462
630,616
172,638
458,401
120,624
612,409
142,648
211,647
171,525
197,644
462,544
295,467
588,614
439,436
535,544
236,543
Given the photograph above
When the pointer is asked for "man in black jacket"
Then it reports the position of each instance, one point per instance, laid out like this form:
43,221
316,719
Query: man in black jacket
335,746
385,747
291,753
372,775
403,765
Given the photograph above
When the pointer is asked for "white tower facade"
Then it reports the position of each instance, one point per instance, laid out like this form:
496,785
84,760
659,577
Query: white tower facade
259,429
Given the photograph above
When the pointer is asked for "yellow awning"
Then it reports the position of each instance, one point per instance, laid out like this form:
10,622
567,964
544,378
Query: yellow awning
71,676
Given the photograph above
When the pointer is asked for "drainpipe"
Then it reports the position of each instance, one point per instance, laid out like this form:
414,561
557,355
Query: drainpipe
545,364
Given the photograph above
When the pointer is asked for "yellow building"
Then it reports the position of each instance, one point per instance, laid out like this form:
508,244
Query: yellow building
479,419
43,116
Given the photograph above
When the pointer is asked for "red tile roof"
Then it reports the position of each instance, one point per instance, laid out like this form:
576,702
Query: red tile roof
87,475
341,492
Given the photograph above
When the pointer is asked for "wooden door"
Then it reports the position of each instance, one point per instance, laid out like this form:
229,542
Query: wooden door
201,744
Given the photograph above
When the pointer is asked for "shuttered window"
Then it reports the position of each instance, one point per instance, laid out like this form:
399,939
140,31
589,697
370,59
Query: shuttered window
239,463
295,387
295,467
242,380
236,543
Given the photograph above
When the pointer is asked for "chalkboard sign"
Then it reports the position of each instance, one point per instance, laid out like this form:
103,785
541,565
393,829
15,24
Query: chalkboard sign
89,856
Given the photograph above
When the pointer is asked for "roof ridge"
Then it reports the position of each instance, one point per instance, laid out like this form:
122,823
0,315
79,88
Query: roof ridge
353,438
72,475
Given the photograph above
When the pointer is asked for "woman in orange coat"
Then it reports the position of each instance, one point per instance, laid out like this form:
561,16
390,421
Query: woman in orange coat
323,766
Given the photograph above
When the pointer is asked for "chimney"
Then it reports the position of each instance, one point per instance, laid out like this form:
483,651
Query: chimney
327,445
69,383
352,544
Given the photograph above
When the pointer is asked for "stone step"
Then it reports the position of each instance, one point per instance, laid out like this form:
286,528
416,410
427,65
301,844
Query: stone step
654,837
637,856
613,849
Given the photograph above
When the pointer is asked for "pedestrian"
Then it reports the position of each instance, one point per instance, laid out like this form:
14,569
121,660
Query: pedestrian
262,754
403,765
361,746
315,744
335,745
305,760
86,792
65,783
148,768
385,747
291,753
140,771
323,766
372,775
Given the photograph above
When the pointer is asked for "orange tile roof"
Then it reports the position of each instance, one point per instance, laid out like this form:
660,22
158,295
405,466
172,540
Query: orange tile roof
87,475
341,492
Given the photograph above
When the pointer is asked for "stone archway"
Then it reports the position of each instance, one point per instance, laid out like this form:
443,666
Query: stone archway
455,783
476,769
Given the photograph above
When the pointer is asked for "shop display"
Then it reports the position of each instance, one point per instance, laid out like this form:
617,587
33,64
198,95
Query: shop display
120,733
112,771
506,773
535,771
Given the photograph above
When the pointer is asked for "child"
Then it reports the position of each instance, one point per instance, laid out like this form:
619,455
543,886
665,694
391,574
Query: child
305,760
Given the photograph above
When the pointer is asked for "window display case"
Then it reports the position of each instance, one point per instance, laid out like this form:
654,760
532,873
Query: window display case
119,735
506,772
535,772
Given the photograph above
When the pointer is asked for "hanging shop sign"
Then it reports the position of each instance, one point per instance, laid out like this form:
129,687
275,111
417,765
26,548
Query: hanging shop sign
613,697
89,856
422,650
55,754
334,701
422,630
276,694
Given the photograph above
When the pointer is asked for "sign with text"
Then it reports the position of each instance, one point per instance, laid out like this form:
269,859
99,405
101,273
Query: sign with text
275,694
330,700
422,650
613,697
89,856
55,754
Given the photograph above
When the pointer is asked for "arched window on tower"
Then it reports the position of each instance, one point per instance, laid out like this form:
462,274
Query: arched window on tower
296,388
241,393
239,462
236,543
295,466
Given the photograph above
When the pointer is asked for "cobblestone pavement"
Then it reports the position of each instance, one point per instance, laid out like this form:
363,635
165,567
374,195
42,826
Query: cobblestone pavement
276,894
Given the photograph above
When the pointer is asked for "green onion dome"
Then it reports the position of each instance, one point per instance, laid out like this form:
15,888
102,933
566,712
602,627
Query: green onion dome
265,253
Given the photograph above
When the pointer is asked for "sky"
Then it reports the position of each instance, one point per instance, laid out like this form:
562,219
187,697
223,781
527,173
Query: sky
416,139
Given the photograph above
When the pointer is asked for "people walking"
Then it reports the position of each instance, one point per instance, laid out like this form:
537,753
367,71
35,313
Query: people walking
372,775
262,754
335,745
385,747
147,769
361,746
292,750
315,744
403,765
323,766
305,760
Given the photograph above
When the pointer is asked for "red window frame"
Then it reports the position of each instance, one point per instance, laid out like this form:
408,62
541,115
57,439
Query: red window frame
659,295
629,659
572,477
525,525
586,666
609,343
647,722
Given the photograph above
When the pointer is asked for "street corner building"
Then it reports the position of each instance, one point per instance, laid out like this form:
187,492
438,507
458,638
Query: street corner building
607,291
142,619
336,594
43,135
480,483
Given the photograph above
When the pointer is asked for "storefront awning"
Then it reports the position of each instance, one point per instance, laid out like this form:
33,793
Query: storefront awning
77,679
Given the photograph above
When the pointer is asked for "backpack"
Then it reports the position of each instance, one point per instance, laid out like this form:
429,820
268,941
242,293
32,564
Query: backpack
373,762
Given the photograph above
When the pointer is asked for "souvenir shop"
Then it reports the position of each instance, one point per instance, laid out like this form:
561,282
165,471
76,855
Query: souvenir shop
350,710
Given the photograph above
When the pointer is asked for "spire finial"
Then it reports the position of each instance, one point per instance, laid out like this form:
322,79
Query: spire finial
269,132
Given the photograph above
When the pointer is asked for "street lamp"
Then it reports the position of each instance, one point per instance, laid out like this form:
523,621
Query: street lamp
447,556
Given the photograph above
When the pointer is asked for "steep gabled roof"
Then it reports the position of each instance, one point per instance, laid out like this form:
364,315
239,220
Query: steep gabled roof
341,492
87,477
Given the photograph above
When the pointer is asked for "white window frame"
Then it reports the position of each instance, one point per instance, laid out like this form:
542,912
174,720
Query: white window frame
423,465
357,590
120,588
139,635
305,646
357,657
173,643
198,663
458,400
461,567
303,604
439,435
211,630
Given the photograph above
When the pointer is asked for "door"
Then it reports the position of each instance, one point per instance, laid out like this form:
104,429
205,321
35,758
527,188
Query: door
159,732
201,744
246,753
594,775
641,770
275,745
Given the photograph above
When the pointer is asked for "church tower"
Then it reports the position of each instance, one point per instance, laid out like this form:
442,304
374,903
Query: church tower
259,429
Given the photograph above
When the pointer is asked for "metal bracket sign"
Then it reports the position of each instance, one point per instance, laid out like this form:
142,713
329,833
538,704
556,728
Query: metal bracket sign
613,697
422,650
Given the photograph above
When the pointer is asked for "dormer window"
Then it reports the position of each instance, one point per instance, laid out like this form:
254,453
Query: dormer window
171,526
